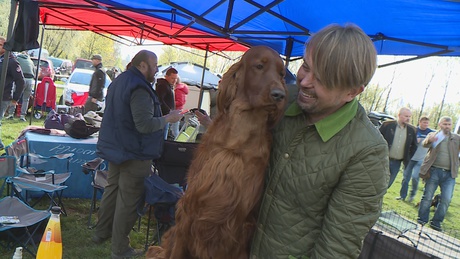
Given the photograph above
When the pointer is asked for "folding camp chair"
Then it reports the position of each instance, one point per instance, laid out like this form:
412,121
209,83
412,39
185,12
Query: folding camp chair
162,191
21,182
27,221
99,182
161,197
38,165
10,206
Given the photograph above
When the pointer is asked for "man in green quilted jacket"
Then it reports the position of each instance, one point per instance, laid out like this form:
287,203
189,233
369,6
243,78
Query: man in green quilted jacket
328,170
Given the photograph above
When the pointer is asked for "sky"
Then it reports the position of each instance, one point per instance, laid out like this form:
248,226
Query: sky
411,78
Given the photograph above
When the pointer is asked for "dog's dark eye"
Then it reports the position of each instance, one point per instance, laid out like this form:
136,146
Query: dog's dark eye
259,66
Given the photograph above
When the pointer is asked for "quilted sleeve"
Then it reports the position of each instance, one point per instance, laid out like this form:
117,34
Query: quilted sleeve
355,204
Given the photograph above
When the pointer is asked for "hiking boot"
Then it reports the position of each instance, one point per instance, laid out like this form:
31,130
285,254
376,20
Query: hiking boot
130,253
400,198
99,240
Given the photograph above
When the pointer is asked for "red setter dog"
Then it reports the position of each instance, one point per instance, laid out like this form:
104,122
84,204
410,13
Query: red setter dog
216,216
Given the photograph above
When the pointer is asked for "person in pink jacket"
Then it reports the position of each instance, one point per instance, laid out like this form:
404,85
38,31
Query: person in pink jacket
180,97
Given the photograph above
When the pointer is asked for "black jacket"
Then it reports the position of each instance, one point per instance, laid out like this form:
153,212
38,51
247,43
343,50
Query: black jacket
388,132
166,95
13,74
97,83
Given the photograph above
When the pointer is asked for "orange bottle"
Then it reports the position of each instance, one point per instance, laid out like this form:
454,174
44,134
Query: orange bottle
51,243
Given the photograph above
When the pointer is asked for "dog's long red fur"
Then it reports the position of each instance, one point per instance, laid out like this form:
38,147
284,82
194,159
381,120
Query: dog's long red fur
217,215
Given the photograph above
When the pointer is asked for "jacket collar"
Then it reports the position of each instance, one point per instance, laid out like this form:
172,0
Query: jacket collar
333,123
140,75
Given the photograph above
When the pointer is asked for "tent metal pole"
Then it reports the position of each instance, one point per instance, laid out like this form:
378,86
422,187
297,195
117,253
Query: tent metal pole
6,55
288,50
36,71
200,100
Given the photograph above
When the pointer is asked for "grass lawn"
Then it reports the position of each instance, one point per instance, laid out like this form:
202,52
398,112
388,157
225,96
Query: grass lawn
77,237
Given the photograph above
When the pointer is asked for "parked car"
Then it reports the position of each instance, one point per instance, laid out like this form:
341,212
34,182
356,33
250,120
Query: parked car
83,63
76,88
62,67
377,118
46,68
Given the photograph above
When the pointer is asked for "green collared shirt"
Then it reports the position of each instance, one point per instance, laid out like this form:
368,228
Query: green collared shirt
333,123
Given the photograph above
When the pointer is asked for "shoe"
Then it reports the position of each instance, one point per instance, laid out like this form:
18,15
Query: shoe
99,240
128,254
22,118
437,228
9,117
2,146
400,198
421,222
411,199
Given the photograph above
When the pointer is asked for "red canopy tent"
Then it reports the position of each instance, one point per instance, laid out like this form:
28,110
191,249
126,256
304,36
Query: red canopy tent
129,27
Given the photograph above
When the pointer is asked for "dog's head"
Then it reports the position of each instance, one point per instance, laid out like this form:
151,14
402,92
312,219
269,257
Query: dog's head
257,80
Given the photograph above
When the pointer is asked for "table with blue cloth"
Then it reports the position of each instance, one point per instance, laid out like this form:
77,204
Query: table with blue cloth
84,150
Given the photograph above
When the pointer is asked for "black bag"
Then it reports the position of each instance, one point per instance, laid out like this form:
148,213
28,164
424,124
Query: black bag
78,128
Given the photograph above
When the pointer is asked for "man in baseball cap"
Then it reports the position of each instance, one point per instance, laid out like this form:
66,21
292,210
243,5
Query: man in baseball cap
96,57
96,85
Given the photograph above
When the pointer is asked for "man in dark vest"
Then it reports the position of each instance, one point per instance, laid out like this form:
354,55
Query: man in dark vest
131,136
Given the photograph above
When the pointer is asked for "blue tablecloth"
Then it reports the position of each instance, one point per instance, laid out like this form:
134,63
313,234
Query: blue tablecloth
79,184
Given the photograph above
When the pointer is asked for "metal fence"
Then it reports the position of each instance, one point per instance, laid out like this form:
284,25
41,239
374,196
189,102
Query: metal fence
395,236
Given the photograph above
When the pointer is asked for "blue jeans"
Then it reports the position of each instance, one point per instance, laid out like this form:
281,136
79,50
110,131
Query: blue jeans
442,178
410,172
395,165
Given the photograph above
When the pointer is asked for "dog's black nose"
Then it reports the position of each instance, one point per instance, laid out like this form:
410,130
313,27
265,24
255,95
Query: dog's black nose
278,95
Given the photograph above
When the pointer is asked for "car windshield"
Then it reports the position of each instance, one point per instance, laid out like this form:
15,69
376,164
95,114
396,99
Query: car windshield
43,63
85,79
56,62
83,64
80,78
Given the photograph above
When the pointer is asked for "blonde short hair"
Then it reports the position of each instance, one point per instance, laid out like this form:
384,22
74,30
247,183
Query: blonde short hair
342,56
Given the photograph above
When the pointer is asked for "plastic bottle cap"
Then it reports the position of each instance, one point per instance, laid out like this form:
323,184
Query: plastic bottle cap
56,209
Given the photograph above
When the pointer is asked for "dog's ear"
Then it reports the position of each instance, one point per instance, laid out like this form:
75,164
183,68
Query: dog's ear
228,87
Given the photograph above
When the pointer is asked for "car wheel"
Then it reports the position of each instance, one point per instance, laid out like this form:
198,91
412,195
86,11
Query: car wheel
37,115
61,100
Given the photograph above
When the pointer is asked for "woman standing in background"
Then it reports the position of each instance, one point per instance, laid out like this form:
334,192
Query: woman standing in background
180,97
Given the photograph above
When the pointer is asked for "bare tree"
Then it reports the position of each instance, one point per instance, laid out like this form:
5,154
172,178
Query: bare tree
446,86
427,88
